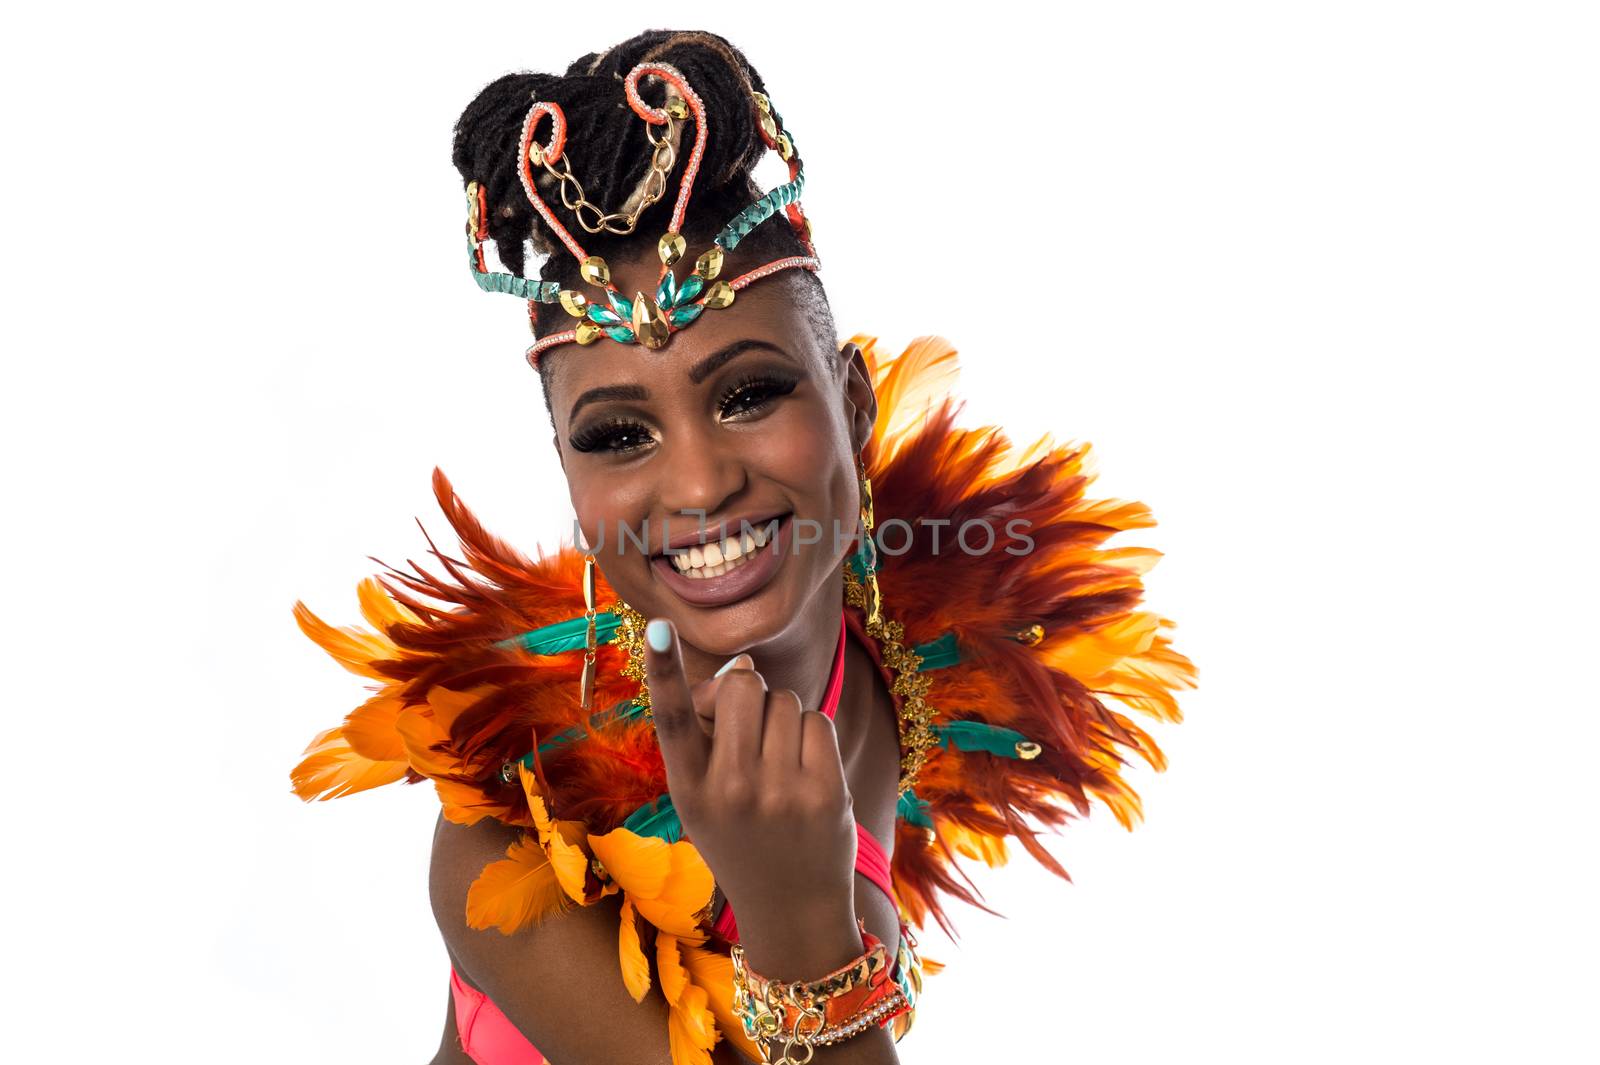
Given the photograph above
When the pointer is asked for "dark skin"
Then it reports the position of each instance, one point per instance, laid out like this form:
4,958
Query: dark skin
743,414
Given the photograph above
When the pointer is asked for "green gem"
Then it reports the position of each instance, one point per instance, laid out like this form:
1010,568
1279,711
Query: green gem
620,333
599,314
690,288
684,315
666,292
623,306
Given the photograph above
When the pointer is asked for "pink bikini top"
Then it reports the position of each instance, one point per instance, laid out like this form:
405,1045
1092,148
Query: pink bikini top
489,1038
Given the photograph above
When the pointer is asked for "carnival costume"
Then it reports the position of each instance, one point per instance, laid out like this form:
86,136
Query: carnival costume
1009,670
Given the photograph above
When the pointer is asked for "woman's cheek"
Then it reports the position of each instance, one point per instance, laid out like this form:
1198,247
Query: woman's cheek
813,465
798,447
604,505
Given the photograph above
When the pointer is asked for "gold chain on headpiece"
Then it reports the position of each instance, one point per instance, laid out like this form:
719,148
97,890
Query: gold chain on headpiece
663,157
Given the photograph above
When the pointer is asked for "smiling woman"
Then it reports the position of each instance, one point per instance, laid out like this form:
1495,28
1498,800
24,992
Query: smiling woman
703,779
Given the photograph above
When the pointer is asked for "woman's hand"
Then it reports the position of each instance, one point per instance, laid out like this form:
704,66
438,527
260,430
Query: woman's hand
759,785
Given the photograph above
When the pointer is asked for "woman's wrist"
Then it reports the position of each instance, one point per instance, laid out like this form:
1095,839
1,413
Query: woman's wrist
801,943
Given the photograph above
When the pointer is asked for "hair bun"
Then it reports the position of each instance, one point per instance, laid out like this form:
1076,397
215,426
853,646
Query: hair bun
606,143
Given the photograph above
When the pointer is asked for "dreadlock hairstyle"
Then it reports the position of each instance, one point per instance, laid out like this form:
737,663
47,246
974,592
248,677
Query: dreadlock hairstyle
610,155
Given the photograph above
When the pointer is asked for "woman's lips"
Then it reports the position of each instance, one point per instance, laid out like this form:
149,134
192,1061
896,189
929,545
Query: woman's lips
743,580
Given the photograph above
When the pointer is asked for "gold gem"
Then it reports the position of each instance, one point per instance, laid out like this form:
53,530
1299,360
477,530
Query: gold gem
709,265
677,108
574,303
769,125
595,271
588,332
721,295
1027,750
671,247
762,102
785,147
536,154
649,324
1030,636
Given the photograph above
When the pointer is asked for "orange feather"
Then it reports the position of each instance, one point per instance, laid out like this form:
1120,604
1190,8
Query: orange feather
516,891
453,706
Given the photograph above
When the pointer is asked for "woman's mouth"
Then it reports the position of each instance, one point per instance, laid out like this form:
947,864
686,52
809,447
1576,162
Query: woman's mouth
725,555
728,569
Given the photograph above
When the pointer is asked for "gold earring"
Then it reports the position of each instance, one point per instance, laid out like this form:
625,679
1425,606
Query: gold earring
586,684
869,547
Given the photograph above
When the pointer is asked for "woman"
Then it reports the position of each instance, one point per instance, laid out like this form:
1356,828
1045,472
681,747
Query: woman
819,643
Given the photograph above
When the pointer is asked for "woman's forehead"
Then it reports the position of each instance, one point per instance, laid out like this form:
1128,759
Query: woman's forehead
764,316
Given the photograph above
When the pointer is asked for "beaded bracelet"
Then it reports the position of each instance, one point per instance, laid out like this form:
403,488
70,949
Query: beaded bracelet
811,1013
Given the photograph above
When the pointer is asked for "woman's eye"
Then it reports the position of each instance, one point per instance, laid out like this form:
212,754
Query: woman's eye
751,396
615,437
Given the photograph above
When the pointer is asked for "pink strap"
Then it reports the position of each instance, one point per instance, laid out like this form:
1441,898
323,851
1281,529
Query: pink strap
830,695
487,1036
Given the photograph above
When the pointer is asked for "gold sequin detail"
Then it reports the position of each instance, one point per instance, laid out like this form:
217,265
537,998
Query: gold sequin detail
630,637
916,716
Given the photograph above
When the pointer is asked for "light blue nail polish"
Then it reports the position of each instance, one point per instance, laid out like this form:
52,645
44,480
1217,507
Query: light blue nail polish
726,666
658,634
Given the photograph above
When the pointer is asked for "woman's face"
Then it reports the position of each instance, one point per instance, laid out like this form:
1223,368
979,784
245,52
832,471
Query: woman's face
734,446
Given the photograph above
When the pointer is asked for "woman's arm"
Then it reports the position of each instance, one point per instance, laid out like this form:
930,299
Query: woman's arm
558,981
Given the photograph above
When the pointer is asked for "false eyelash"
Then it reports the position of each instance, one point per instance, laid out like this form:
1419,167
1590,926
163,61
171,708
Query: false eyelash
774,386
591,438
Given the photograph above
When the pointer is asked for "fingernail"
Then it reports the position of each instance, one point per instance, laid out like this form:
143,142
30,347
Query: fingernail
658,634
726,666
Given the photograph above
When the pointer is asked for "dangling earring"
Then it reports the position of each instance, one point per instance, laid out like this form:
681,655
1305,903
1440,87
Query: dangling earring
629,636
586,684
869,551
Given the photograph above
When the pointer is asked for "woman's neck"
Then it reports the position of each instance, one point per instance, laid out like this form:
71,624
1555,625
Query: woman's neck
802,658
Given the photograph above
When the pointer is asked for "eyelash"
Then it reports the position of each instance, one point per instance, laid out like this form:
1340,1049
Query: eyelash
600,437
606,435
765,387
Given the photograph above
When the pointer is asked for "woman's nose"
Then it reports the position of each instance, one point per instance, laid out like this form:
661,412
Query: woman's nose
701,478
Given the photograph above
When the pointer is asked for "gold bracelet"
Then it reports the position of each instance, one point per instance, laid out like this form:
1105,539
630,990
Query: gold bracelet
811,1013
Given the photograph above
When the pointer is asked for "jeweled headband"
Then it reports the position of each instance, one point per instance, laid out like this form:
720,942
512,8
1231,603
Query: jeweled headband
645,319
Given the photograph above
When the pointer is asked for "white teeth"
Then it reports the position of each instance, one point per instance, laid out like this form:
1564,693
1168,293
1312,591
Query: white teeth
704,561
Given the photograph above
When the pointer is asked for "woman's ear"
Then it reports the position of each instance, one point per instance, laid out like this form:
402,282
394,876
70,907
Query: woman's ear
861,401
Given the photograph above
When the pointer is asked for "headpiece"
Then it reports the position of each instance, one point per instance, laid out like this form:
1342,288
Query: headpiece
648,319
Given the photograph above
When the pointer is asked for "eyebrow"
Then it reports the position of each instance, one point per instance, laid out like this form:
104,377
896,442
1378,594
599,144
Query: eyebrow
697,373
596,395
717,360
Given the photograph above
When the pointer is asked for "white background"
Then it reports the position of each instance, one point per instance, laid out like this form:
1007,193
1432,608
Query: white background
1318,281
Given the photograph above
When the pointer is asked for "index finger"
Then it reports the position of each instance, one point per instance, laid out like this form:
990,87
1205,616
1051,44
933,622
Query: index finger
685,747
